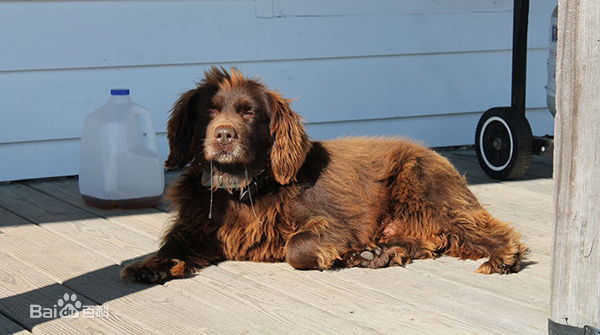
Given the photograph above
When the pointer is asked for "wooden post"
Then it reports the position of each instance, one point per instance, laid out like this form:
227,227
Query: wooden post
575,291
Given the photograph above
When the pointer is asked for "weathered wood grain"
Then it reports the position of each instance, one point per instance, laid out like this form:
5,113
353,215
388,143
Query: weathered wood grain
21,286
156,309
7,326
541,167
437,296
148,221
100,235
58,258
351,301
456,300
530,291
575,295
535,181
268,305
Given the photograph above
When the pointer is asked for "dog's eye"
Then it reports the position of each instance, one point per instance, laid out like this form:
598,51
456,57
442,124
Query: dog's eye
212,112
248,113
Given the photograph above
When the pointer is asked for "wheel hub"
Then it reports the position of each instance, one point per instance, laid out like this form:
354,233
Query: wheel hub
496,143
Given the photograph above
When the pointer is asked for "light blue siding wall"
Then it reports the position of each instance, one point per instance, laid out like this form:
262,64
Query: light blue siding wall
424,69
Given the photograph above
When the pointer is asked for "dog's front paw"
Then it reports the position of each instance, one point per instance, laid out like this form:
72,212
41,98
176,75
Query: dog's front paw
154,269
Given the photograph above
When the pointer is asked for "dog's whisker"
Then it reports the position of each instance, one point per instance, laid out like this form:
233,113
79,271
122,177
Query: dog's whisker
250,195
212,190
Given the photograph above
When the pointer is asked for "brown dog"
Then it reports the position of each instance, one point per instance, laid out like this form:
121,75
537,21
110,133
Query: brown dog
258,189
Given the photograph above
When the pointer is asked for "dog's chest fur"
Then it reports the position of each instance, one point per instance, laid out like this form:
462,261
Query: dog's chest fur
244,237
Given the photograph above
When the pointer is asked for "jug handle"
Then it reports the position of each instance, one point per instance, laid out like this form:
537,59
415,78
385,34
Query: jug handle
151,144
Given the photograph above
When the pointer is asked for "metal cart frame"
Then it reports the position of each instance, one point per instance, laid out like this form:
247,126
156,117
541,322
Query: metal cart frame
503,140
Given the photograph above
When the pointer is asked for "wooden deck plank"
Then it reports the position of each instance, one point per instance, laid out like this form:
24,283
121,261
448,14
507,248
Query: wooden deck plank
541,182
311,313
543,186
163,309
530,215
430,296
147,221
46,251
428,284
527,290
540,167
350,300
534,223
21,286
508,205
157,308
525,199
456,300
98,234
525,203
7,326
265,304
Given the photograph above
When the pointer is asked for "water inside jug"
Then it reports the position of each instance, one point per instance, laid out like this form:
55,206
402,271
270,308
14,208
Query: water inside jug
119,164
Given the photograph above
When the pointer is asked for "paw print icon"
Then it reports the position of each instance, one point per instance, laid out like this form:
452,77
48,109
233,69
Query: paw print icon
69,306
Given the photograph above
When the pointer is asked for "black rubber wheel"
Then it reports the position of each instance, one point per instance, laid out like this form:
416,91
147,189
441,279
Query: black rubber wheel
503,143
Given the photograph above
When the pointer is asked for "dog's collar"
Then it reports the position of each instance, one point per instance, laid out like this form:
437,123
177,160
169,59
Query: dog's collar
232,183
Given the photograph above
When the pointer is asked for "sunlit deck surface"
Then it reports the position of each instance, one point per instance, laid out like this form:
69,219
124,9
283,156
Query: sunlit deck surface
51,243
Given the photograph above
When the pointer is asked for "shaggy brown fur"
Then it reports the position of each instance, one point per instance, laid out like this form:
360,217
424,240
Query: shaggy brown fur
322,204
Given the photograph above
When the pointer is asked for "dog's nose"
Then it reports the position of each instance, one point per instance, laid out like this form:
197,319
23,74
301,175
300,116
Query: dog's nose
225,134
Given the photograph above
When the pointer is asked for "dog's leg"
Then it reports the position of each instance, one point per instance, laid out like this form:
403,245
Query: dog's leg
155,269
477,234
433,202
177,257
314,247
469,234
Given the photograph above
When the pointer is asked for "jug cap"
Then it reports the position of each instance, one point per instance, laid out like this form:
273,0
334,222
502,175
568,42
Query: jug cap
119,91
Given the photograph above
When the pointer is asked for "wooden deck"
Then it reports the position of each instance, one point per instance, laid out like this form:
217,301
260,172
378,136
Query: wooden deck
52,244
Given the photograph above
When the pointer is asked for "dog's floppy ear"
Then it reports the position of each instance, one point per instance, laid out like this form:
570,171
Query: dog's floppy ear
290,142
182,124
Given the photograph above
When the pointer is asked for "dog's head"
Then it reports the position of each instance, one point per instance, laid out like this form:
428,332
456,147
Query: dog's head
234,121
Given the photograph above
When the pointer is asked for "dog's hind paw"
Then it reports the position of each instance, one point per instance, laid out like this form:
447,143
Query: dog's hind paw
380,257
368,256
505,261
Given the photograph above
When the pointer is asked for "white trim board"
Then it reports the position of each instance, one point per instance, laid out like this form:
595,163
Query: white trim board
326,90
92,34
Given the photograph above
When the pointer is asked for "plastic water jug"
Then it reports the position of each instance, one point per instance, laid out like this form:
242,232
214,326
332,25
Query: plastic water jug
119,163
